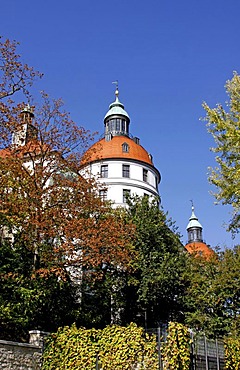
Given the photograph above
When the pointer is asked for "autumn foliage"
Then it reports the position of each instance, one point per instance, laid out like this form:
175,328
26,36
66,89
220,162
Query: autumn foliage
44,201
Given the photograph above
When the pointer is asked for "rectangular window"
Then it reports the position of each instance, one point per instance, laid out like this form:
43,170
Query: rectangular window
103,194
118,124
104,170
125,170
145,175
126,195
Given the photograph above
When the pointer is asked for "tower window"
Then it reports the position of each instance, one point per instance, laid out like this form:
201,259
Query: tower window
126,195
112,125
125,148
145,175
118,121
103,194
123,125
104,170
125,170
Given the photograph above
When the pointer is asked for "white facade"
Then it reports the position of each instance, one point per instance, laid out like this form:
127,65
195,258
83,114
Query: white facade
114,179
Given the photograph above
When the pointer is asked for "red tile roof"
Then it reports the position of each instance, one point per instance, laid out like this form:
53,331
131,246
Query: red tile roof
113,149
32,146
200,248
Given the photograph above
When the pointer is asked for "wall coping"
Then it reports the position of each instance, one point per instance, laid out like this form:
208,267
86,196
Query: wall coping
18,344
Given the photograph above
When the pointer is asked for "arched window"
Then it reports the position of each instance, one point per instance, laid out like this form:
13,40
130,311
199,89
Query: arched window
125,147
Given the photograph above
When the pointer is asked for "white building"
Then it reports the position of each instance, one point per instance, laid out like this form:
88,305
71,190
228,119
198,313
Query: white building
121,165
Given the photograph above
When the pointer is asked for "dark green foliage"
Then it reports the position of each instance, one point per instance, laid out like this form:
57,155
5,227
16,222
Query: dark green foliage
155,288
95,307
213,295
29,301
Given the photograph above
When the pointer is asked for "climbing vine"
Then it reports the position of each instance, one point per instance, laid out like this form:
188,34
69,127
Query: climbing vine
176,350
114,347
232,353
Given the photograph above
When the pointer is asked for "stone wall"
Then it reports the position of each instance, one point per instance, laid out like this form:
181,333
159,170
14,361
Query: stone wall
22,356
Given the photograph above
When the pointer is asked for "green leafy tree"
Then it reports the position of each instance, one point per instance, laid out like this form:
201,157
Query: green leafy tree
212,298
154,290
29,302
224,125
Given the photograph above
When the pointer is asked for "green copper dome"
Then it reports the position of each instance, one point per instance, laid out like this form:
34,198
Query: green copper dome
193,221
116,108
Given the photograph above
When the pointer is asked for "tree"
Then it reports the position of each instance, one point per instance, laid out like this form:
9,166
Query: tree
28,302
154,290
46,207
16,79
224,125
212,298
15,75
44,200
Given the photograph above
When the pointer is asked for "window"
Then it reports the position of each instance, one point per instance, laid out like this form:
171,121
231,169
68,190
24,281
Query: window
118,121
103,194
125,170
112,125
104,170
123,126
126,195
125,148
145,175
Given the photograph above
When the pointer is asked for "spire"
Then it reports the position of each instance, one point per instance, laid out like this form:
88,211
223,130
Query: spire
194,228
116,120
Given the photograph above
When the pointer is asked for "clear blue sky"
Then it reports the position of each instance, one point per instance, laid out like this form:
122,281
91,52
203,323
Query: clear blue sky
168,55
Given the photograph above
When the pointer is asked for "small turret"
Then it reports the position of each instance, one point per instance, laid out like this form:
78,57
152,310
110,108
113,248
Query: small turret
195,242
25,131
27,114
194,228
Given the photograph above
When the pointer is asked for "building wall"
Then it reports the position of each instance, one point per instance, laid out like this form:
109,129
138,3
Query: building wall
19,356
23,356
116,183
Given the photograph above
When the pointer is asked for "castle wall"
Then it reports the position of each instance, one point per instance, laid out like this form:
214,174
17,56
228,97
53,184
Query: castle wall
22,356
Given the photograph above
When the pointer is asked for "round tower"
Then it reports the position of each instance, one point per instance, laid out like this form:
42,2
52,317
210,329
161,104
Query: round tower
118,161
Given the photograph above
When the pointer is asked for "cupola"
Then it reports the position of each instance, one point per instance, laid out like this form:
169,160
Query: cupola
116,120
194,229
